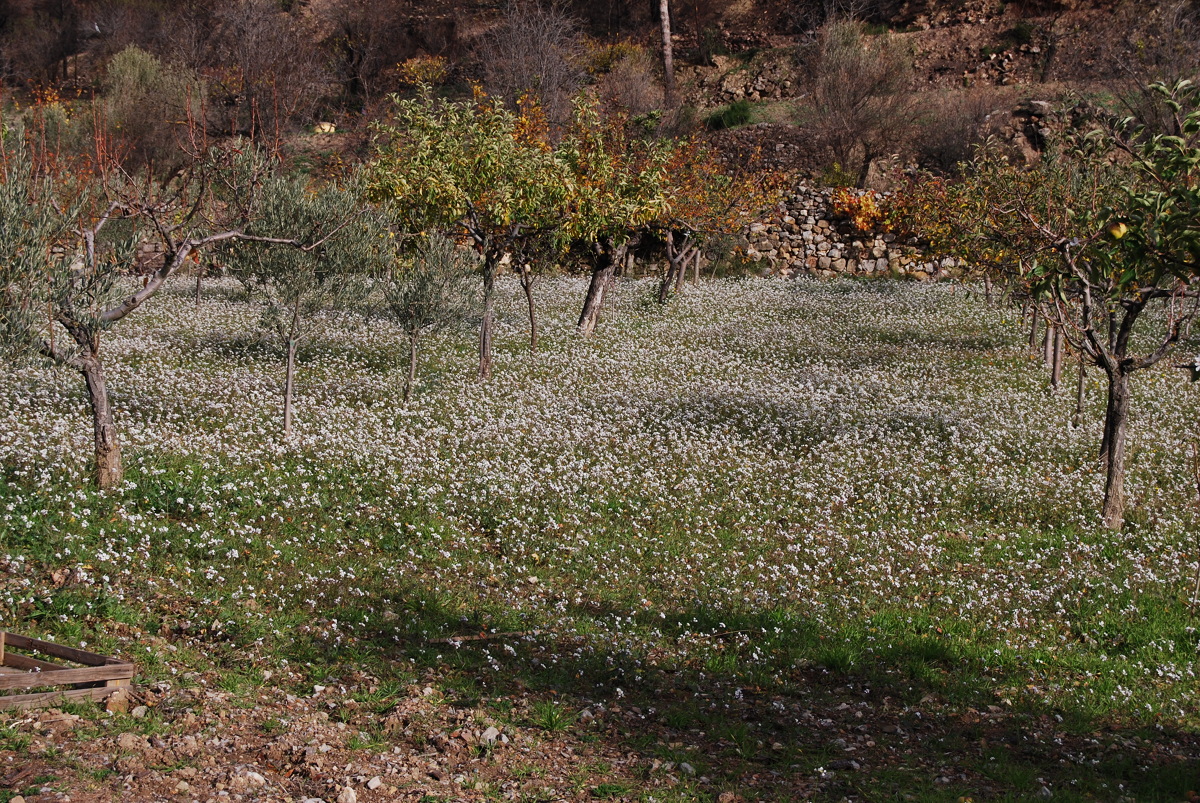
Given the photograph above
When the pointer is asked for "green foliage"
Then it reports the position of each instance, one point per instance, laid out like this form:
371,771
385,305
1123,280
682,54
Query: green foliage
46,273
733,115
615,183
148,106
1162,213
337,243
474,166
434,291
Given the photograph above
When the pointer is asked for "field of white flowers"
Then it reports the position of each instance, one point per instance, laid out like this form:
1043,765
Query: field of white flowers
762,478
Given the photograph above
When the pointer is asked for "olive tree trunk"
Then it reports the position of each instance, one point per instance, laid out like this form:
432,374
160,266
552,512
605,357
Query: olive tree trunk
288,384
411,379
108,446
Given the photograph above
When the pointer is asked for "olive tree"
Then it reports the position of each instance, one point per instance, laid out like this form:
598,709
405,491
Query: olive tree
434,291
64,277
338,242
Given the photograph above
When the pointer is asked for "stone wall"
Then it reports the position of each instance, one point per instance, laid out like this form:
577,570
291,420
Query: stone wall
804,237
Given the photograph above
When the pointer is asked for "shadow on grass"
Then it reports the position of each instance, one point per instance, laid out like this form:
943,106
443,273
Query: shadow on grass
770,705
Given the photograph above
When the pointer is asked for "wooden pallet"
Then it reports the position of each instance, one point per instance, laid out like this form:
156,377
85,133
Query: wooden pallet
97,678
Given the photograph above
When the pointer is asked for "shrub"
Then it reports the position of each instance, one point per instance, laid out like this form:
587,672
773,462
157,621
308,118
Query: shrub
860,208
145,104
735,114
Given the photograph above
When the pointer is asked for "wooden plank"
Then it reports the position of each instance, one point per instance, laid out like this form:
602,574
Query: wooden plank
40,699
57,650
15,659
62,677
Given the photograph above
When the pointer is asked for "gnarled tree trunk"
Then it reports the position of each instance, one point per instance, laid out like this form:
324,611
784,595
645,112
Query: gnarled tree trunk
108,446
1115,420
606,256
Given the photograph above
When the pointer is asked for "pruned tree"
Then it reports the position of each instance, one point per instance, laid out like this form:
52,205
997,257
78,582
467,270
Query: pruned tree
1095,242
64,279
434,291
474,168
334,242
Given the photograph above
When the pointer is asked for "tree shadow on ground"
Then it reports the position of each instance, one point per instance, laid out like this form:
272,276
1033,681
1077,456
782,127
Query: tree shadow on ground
784,715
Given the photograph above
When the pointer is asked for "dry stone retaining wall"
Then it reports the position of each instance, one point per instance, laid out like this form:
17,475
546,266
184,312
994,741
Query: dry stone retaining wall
804,237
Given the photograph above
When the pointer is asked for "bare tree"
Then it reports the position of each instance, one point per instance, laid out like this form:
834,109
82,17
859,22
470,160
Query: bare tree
534,51
256,69
367,38
860,106
1161,48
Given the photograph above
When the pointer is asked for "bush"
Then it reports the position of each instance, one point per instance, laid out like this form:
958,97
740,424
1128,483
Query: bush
860,107
145,104
735,114
631,83
952,126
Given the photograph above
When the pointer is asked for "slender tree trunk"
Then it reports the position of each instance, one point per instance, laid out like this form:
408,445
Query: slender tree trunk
1114,430
696,266
987,289
664,15
108,445
199,280
1077,418
1056,358
1033,331
287,388
411,379
664,288
489,316
605,262
527,286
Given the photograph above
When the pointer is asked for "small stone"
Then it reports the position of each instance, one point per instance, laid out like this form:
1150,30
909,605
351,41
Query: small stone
118,702
16,799
490,736
687,769
139,712
255,779
182,788
1045,793
374,783
312,800
131,741
347,795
